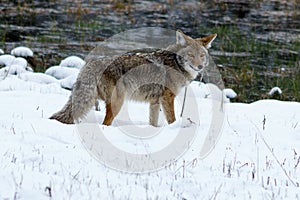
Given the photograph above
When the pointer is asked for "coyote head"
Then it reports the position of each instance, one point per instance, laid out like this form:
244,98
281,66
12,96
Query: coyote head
193,52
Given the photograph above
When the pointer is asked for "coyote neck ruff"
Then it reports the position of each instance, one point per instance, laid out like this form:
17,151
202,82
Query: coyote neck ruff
154,76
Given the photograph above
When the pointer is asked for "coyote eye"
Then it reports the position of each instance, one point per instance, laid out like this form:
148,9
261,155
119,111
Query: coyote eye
190,54
202,54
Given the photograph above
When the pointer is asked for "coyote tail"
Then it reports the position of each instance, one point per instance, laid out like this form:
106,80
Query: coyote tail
65,114
80,102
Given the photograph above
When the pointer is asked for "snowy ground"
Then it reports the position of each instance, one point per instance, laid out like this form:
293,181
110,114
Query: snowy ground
257,156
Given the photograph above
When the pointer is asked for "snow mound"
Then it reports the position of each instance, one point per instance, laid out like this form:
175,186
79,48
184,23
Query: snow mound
275,90
59,72
22,51
6,59
72,61
230,93
20,61
29,69
14,83
14,66
13,70
1,51
68,82
38,78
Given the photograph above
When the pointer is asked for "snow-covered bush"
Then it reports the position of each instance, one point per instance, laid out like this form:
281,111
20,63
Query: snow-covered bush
38,78
61,72
72,61
68,82
6,59
22,51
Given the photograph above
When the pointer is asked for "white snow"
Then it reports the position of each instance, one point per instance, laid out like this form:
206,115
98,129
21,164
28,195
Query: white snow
14,65
61,72
256,157
38,78
72,61
69,81
12,69
66,75
20,61
275,90
230,93
29,69
6,59
1,51
22,51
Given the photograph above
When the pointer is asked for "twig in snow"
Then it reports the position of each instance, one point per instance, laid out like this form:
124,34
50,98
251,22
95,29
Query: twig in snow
33,129
192,122
75,176
7,72
216,193
295,125
49,190
264,122
298,161
183,103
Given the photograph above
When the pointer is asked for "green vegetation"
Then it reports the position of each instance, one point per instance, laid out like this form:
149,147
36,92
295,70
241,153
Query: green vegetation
253,66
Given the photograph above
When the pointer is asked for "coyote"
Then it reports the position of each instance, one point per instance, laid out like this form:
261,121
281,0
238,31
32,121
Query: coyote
152,75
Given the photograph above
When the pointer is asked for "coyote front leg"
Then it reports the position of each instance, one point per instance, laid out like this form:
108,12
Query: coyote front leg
114,106
154,113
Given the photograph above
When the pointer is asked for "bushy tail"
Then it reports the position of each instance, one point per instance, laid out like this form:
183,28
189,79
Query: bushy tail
65,114
82,99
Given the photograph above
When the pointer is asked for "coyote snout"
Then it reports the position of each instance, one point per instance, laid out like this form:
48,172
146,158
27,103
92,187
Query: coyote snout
112,79
198,69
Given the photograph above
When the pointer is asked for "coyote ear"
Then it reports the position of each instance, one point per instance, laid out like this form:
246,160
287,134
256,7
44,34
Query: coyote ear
206,41
181,38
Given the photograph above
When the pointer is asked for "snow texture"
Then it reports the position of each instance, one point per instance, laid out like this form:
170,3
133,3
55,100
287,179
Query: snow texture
61,72
38,78
230,93
72,61
6,59
22,51
29,69
69,81
12,69
20,61
256,157
14,66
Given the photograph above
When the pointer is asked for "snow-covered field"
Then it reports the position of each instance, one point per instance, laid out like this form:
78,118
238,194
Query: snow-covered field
256,157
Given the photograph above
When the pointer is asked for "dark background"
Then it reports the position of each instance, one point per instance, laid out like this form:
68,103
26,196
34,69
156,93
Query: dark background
257,46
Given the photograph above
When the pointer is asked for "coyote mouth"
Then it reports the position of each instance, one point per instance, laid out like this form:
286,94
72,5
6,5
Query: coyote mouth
197,69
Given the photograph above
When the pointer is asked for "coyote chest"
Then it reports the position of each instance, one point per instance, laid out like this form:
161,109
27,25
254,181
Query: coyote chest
154,76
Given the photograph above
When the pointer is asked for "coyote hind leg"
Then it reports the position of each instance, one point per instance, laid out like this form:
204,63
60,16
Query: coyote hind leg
167,103
108,116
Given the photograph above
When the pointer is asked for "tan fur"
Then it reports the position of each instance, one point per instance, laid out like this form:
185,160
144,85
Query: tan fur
154,76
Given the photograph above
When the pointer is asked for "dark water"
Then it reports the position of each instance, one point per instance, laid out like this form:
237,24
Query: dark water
258,41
